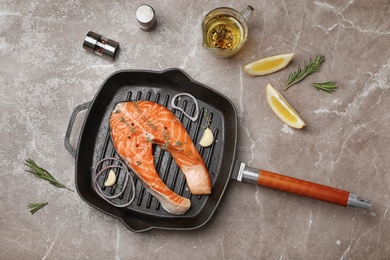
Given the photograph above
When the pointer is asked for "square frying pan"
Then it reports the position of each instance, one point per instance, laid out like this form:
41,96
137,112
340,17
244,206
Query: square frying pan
145,212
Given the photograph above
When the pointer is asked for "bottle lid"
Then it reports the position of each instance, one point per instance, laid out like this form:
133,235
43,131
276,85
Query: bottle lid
146,17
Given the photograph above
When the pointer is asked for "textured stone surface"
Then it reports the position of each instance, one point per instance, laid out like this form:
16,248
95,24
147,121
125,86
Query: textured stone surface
45,74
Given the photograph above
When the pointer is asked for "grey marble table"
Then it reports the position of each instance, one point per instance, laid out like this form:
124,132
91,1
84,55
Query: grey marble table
45,73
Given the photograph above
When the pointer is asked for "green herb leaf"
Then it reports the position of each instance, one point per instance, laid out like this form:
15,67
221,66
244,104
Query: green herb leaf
34,207
329,86
307,70
208,119
43,174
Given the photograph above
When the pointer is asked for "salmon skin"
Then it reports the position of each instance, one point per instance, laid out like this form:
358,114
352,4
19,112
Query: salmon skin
137,125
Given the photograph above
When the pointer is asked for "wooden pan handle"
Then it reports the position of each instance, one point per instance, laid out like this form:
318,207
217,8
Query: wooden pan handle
299,187
304,188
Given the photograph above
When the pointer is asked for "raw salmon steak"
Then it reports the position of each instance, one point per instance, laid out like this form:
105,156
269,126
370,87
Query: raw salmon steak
135,127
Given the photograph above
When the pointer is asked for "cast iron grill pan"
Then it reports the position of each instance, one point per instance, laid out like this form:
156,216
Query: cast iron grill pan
95,144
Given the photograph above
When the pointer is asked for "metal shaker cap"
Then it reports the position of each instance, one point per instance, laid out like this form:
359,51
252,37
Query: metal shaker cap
146,17
100,45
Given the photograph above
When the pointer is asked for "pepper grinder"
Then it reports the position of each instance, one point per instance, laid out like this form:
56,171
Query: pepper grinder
100,45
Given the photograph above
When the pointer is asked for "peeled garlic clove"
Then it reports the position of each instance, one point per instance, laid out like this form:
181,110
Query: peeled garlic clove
207,138
111,179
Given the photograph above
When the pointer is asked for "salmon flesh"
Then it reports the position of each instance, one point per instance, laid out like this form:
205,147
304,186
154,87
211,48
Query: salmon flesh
137,125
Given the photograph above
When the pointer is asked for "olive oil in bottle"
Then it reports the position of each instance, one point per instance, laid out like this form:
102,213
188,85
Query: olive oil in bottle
223,32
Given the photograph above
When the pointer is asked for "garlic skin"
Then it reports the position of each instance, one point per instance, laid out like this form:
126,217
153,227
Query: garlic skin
111,179
207,138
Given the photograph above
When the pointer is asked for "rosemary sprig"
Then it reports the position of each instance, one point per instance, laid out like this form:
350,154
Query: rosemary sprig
329,86
34,207
43,174
207,117
305,71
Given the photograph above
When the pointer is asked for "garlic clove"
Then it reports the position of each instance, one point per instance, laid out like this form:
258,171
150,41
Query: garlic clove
111,179
207,138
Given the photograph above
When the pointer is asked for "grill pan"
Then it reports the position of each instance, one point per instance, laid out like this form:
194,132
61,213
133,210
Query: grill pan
95,144
145,212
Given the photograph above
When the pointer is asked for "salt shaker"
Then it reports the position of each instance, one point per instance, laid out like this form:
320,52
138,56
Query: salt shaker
146,17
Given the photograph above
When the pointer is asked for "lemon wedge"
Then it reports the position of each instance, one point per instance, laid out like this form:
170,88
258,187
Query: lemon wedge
268,65
283,109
